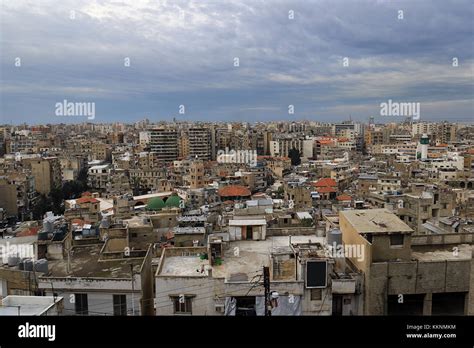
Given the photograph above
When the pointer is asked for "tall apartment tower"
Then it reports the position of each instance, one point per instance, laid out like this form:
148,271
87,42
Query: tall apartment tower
164,142
199,143
47,174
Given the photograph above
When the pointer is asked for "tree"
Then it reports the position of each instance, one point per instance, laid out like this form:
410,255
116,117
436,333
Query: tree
280,192
41,206
295,157
270,180
57,201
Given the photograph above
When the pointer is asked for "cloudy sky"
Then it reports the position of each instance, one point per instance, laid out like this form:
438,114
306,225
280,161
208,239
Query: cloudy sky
185,52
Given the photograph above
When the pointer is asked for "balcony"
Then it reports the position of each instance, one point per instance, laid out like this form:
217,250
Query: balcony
344,284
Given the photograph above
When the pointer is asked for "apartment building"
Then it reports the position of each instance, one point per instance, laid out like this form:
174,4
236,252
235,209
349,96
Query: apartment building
281,147
164,142
47,173
199,139
419,207
98,176
405,274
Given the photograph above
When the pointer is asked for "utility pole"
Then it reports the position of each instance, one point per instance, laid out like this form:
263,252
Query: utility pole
266,285
133,290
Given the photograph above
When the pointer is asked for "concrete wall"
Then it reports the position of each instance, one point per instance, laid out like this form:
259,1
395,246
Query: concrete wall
8,201
442,239
186,240
283,267
164,220
203,289
351,237
382,251
14,280
413,277
100,303
470,299
317,307
147,279
290,231
376,290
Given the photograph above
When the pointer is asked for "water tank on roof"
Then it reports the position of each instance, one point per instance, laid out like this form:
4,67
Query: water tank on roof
13,261
43,235
41,266
28,265
48,226
59,235
334,237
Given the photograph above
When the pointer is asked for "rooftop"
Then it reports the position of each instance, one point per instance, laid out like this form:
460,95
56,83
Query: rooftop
27,305
375,221
85,263
326,182
464,252
253,255
234,191
184,266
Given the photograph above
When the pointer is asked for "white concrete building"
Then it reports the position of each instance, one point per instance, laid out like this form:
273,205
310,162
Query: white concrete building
31,305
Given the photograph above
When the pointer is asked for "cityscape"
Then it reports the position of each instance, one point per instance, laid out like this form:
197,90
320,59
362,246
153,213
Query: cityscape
237,160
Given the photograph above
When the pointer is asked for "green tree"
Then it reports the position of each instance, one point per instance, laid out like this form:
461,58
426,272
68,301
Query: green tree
41,206
295,157
57,201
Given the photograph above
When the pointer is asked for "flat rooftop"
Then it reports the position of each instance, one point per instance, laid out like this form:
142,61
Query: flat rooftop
241,266
375,221
464,252
85,264
253,255
27,305
184,266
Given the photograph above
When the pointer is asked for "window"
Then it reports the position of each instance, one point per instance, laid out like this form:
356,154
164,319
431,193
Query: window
120,304
396,239
81,305
182,304
316,294
368,236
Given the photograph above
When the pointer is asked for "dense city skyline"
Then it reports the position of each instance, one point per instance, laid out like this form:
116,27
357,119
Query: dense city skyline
183,163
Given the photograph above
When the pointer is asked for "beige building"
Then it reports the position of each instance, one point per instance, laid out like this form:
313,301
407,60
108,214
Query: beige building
100,151
164,142
298,195
199,139
405,274
47,173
